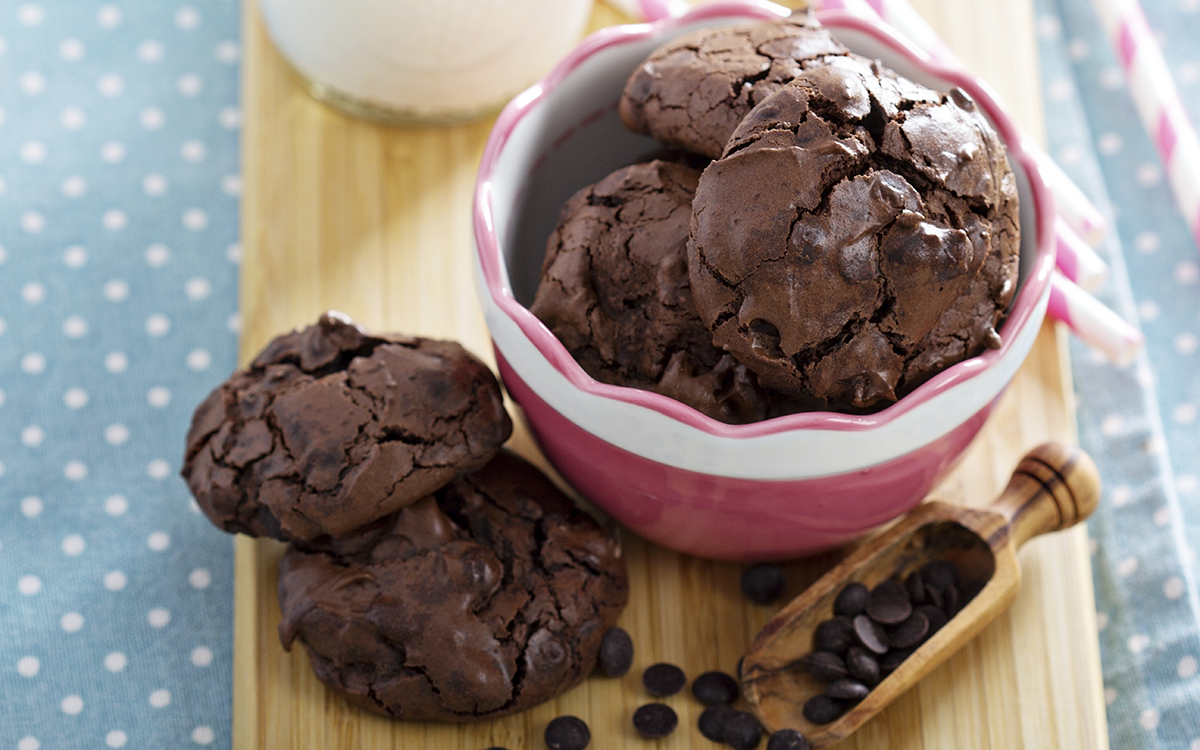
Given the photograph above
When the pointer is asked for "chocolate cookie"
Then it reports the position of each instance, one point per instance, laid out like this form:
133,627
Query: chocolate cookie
693,91
858,235
330,428
615,291
486,598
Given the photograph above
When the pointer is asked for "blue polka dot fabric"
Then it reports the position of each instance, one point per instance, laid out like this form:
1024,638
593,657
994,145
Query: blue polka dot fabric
119,187
1140,423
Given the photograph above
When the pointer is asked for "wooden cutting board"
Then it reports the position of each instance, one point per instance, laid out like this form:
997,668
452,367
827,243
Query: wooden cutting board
375,222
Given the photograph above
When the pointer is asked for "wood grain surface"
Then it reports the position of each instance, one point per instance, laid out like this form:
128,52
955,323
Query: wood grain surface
375,222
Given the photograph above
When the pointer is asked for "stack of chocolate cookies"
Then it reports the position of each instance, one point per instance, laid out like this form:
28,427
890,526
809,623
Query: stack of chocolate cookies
430,574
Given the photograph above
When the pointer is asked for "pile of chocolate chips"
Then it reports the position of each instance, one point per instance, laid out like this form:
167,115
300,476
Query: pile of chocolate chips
719,722
873,631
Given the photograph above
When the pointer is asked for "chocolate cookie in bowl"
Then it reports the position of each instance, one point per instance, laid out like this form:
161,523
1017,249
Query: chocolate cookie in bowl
693,91
483,599
614,289
330,428
858,235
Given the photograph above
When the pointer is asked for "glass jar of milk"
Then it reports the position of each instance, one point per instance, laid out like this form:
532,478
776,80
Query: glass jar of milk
422,61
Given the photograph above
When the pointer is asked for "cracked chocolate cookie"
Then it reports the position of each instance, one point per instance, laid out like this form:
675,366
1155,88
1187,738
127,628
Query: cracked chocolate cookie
858,235
330,428
615,290
486,598
693,91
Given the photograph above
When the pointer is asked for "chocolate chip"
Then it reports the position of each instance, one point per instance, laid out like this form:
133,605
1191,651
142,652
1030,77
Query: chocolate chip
851,690
567,733
655,720
826,666
663,679
712,721
940,574
742,731
935,616
870,634
910,632
893,659
616,652
916,587
762,583
950,601
968,591
888,603
962,99
821,709
863,665
851,601
835,634
714,687
933,595
787,739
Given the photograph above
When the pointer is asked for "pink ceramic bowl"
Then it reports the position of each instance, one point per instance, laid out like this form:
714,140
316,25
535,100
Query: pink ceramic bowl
776,489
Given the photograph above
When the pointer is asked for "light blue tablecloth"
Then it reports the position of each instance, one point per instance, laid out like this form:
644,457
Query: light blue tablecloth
119,187
118,313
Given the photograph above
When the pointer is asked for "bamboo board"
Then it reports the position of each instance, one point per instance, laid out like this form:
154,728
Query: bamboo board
375,222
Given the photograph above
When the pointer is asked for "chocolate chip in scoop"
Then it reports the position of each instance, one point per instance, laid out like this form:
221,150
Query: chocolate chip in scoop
852,600
909,633
787,739
822,709
888,603
871,634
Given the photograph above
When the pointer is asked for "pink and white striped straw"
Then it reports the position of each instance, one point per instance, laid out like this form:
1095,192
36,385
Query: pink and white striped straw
1076,259
1157,102
1072,204
1092,321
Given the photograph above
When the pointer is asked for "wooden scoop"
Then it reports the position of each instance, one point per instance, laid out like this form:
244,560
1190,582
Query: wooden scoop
1053,487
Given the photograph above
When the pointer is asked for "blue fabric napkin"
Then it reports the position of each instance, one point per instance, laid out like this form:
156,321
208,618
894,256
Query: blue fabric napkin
1139,423
119,188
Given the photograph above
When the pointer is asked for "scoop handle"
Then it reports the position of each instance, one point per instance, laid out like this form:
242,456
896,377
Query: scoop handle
1053,487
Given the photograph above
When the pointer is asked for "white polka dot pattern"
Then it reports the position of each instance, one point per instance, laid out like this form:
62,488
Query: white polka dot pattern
119,197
